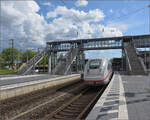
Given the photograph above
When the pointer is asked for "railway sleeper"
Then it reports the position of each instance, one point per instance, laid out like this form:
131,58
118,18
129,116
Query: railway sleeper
80,103
77,105
63,117
72,108
74,113
69,111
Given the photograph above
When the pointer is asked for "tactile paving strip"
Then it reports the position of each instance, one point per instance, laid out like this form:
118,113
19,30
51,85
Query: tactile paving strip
110,107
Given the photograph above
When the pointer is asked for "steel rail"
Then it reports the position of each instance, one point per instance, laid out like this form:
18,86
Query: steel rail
87,109
65,105
43,104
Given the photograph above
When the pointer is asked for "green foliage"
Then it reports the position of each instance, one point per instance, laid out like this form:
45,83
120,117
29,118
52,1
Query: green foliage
27,55
1,61
6,55
61,56
5,71
44,61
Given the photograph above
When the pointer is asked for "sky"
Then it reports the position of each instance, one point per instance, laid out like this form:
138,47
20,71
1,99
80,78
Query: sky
32,23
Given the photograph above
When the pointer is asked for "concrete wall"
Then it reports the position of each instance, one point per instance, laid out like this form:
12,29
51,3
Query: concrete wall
55,84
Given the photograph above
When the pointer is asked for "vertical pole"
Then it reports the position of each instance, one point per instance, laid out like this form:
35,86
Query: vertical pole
122,61
33,65
55,59
149,33
18,60
27,56
38,64
52,61
43,64
149,16
49,63
83,61
12,52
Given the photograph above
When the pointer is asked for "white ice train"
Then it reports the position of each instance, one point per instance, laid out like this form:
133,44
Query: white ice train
97,71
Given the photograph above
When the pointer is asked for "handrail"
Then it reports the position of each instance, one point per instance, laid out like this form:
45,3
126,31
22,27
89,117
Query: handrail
71,63
32,62
130,69
139,59
69,56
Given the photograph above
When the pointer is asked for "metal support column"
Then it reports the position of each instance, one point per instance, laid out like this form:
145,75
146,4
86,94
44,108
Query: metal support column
124,60
49,63
82,60
55,59
52,61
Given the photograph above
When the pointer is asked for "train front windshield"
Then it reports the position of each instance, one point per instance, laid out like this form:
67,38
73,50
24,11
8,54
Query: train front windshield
94,64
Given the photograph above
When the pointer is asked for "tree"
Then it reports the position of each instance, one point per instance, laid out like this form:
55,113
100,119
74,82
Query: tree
44,61
7,55
27,55
1,61
61,56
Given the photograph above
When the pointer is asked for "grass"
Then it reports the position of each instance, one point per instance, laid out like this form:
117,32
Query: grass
6,72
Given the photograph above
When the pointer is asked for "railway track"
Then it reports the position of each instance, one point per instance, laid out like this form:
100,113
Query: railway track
15,106
71,102
75,104
78,107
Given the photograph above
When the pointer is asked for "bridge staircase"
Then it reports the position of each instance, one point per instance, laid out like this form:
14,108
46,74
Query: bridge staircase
27,68
64,67
135,63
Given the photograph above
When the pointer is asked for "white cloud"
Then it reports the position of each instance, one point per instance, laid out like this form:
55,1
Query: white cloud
76,15
81,3
21,22
121,26
102,54
47,4
68,19
111,11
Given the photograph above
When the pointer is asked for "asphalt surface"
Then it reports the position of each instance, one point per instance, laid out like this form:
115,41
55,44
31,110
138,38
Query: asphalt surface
23,79
2,76
137,94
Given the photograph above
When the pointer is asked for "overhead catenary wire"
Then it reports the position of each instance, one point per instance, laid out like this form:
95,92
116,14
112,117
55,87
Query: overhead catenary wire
131,13
126,15
77,18
122,16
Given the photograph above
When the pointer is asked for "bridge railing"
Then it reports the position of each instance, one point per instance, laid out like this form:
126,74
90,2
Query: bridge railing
139,58
32,62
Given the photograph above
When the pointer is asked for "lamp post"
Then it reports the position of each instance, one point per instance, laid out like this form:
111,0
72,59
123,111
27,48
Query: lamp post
149,16
149,33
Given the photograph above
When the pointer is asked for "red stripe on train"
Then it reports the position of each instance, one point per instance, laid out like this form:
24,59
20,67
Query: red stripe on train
98,80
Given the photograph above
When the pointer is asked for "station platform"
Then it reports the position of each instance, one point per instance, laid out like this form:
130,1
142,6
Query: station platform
16,79
20,85
125,98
